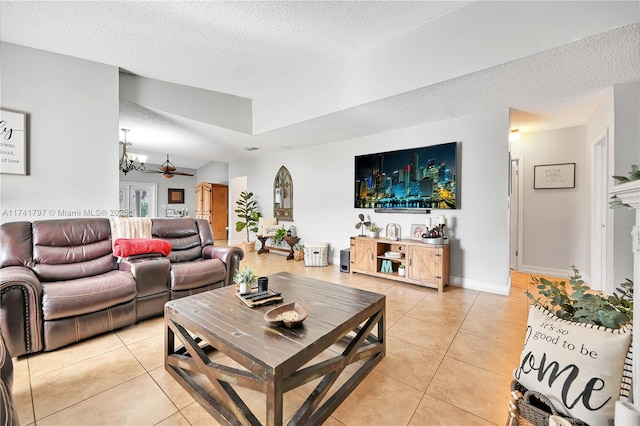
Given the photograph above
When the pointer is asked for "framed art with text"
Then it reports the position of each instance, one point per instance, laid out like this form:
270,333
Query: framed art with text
13,142
552,176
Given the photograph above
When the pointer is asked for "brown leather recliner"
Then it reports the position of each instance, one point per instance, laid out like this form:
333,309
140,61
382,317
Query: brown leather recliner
196,264
60,282
83,292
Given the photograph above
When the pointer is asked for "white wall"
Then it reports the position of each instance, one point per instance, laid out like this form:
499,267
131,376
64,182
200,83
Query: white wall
214,172
555,221
219,109
323,193
72,134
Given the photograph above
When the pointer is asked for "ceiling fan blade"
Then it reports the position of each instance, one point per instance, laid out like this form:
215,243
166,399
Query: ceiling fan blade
165,168
152,171
181,173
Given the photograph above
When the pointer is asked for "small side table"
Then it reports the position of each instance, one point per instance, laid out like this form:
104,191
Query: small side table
292,241
263,241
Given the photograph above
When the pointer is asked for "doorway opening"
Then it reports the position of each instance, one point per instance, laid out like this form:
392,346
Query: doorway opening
139,199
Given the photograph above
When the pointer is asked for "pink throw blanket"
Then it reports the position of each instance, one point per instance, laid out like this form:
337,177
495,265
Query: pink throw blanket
125,247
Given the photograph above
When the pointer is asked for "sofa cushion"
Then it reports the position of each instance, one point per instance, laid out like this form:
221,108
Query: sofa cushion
71,249
189,275
78,297
184,236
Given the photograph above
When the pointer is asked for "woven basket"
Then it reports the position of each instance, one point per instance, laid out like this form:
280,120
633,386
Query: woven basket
530,408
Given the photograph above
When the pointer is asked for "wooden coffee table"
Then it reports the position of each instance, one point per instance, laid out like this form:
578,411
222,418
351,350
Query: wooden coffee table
275,359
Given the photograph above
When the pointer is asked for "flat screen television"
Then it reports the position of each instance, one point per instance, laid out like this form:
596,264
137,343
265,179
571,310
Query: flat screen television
411,180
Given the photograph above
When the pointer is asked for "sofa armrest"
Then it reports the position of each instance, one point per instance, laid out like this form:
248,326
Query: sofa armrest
151,274
21,320
8,412
230,256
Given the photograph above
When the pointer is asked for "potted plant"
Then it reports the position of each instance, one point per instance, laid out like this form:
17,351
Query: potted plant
373,230
245,279
279,235
247,209
298,252
573,328
401,270
579,303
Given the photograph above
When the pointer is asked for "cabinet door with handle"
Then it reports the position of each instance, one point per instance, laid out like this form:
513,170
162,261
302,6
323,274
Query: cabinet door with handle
425,264
365,255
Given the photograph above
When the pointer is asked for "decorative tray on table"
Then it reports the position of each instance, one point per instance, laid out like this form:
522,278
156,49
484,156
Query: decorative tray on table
259,298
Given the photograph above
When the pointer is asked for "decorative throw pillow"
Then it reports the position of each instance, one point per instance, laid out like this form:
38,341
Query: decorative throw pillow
582,368
265,225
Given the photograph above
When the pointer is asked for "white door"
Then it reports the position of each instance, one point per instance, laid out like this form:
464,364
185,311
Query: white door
600,214
139,199
514,198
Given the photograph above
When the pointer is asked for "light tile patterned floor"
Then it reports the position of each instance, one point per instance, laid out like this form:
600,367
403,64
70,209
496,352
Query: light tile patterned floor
449,362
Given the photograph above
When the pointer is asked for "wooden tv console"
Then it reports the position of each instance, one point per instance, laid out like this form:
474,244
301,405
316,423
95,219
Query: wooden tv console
425,264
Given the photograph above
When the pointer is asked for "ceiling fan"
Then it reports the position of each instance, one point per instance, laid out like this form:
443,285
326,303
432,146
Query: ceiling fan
168,170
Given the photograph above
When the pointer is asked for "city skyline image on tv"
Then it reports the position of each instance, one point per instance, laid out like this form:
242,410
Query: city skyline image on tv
414,178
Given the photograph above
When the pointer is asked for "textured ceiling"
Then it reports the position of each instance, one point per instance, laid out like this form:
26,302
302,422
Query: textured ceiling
252,48
240,48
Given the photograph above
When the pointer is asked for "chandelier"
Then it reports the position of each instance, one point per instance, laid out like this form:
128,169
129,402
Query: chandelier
128,159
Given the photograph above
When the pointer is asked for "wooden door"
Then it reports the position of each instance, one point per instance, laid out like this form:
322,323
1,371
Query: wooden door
219,208
425,264
365,255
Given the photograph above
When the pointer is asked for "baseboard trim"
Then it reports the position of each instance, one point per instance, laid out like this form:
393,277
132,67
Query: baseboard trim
539,270
485,286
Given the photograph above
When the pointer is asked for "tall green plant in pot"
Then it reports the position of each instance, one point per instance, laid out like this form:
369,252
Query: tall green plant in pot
247,209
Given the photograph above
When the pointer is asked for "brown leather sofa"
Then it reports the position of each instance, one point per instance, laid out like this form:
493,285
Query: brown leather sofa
8,413
60,282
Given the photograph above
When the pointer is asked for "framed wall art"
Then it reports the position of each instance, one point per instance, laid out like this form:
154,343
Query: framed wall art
175,196
553,176
417,230
13,142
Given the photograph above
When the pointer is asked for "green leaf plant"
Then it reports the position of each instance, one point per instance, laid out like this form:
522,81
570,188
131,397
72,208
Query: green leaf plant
578,303
634,174
247,209
279,236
